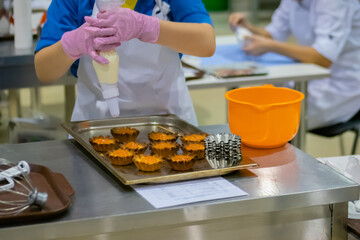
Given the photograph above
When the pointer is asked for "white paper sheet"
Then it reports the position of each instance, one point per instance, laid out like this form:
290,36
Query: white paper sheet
178,193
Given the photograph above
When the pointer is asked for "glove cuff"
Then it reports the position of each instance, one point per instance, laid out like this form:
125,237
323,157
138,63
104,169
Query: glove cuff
150,30
67,45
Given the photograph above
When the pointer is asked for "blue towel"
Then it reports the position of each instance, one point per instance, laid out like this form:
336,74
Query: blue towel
232,53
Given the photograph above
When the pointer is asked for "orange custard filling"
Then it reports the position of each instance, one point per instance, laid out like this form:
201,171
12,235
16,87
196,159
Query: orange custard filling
120,153
161,136
124,130
133,145
103,141
194,138
181,158
149,160
195,147
164,145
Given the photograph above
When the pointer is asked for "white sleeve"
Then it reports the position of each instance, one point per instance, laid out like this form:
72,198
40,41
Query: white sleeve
332,26
279,27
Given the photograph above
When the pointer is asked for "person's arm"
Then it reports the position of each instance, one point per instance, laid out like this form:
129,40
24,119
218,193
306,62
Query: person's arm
239,20
259,31
188,38
304,54
258,45
52,63
196,39
278,29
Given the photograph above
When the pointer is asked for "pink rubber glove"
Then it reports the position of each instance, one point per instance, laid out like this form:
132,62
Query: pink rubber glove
81,41
129,25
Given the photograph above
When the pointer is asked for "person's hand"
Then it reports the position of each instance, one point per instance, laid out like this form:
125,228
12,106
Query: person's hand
128,24
237,19
256,45
82,41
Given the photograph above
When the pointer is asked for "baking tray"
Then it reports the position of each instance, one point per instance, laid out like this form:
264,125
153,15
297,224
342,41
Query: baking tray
197,73
128,175
240,69
54,184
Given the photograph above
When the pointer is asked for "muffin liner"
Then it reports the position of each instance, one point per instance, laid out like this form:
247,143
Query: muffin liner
198,154
120,161
223,150
183,165
102,147
166,153
173,137
185,142
139,150
124,137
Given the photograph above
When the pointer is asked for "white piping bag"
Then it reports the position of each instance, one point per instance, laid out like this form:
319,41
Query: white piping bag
241,33
107,74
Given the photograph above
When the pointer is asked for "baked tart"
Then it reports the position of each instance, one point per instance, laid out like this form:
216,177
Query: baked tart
161,137
120,157
136,147
164,149
148,163
102,144
124,134
194,149
182,162
193,138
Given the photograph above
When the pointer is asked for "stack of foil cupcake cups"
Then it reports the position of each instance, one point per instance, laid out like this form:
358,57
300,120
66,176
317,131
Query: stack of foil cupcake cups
223,150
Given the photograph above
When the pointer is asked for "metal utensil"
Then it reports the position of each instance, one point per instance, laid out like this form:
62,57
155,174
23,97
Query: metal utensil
18,193
223,150
179,134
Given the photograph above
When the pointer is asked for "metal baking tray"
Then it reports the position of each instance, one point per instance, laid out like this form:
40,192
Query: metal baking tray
128,175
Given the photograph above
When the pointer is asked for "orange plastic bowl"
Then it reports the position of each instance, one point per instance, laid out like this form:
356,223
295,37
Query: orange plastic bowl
265,116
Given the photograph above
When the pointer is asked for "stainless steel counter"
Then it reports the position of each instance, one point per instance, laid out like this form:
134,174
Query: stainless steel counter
17,68
17,71
291,196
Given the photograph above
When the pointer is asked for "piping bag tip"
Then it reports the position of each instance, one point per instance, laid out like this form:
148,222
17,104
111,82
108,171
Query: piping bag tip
113,105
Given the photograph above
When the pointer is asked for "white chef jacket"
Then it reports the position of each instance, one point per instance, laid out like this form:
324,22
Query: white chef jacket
332,27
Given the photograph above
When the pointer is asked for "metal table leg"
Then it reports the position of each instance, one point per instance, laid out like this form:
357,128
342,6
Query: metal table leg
339,220
35,101
69,101
299,139
14,103
227,103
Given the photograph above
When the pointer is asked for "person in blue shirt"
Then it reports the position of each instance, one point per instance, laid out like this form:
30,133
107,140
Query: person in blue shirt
148,41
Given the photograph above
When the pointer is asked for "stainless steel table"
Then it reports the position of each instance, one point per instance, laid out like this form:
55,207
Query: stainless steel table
291,196
17,71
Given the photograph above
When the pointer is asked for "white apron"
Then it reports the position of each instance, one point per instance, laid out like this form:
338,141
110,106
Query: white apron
151,81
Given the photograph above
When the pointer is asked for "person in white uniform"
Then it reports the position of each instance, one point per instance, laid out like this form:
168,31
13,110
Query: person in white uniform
148,41
328,34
